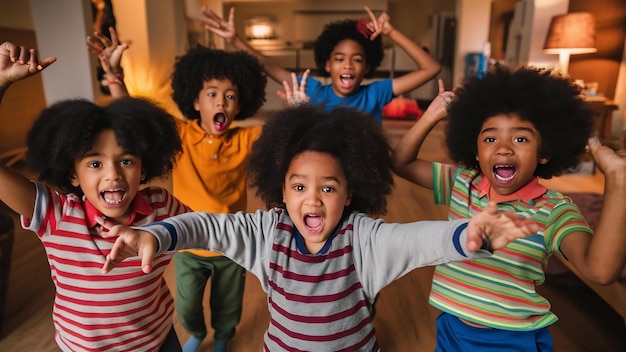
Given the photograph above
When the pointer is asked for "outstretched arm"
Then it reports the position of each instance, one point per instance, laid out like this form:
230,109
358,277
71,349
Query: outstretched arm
602,257
226,29
16,63
109,52
405,161
427,67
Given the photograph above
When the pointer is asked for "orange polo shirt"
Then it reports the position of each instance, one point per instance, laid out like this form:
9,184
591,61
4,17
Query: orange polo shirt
210,174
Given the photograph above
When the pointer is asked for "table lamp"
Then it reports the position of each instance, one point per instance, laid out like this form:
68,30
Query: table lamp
571,33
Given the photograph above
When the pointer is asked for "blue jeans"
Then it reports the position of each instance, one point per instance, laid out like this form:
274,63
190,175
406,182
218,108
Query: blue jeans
453,335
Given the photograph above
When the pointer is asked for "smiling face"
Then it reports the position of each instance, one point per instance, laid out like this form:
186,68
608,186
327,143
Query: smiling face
218,104
315,193
347,67
109,177
508,152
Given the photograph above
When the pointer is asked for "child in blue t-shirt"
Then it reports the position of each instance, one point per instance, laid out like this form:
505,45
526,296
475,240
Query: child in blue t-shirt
346,51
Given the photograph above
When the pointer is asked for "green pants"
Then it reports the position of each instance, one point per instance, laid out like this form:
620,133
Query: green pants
226,299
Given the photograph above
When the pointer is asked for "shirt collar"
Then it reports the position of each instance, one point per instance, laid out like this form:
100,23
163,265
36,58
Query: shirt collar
531,190
139,206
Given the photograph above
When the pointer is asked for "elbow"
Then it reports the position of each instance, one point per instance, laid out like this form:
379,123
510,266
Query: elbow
602,277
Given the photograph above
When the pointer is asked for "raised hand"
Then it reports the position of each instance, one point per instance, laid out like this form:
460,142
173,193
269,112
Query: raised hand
17,62
216,24
109,51
499,227
438,108
297,95
378,25
606,158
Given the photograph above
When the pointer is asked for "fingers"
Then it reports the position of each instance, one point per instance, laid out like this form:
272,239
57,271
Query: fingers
305,76
441,87
370,13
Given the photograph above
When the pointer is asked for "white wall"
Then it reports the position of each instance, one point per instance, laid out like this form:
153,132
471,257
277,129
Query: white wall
61,28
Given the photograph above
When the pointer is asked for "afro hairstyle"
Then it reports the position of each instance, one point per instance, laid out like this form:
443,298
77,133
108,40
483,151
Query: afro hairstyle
201,64
349,135
338,31
67,130
554,104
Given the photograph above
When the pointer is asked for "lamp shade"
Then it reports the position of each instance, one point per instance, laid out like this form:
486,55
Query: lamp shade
573,32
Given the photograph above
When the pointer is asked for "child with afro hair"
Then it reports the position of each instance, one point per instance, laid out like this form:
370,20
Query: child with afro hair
94,161
346,51
318,255
505,131
212,88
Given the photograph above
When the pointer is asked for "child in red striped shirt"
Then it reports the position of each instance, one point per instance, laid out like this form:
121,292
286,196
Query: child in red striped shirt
94,161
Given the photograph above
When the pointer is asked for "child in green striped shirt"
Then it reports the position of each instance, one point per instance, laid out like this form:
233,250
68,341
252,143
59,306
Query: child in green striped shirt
505,131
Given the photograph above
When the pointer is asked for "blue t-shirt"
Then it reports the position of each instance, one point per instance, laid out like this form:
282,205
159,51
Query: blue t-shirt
371,98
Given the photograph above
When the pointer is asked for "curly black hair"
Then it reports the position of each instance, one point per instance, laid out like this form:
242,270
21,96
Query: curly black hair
338,31
201,64
351,136
66,131
553,103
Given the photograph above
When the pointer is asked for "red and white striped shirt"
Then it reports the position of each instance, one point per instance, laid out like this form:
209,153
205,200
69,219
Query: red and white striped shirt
121,311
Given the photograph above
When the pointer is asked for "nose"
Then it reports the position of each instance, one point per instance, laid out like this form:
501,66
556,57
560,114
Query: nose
313,199
113,172
504,148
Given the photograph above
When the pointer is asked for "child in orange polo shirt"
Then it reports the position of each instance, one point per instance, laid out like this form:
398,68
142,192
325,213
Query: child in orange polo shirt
212,88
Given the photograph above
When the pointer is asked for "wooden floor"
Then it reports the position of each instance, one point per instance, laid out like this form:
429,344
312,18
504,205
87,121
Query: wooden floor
404,320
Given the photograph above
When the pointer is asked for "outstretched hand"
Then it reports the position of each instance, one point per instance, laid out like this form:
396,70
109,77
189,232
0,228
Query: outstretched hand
17,62
130,243
216,24
109,51
608,160
438,108
297,95
378,25
499,227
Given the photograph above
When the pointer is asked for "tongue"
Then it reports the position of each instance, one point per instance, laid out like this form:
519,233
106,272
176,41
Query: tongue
505,172
313,221
113,196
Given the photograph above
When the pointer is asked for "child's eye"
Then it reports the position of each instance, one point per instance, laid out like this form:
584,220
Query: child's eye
212,94
520,139
230,96
490,140
94,164
126,162
298,188
328,189
358,60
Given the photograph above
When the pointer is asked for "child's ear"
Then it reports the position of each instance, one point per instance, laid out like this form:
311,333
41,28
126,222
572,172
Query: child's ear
349,199
544,160
327,67
196,106
74,180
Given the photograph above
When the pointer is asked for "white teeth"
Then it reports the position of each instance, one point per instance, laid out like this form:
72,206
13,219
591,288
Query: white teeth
504,179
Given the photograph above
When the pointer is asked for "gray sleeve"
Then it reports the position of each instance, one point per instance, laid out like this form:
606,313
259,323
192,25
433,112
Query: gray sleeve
245,238
385,252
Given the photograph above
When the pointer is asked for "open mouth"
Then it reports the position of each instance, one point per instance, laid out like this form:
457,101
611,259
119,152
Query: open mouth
504,173
313,223
219,120
113,196
346,81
